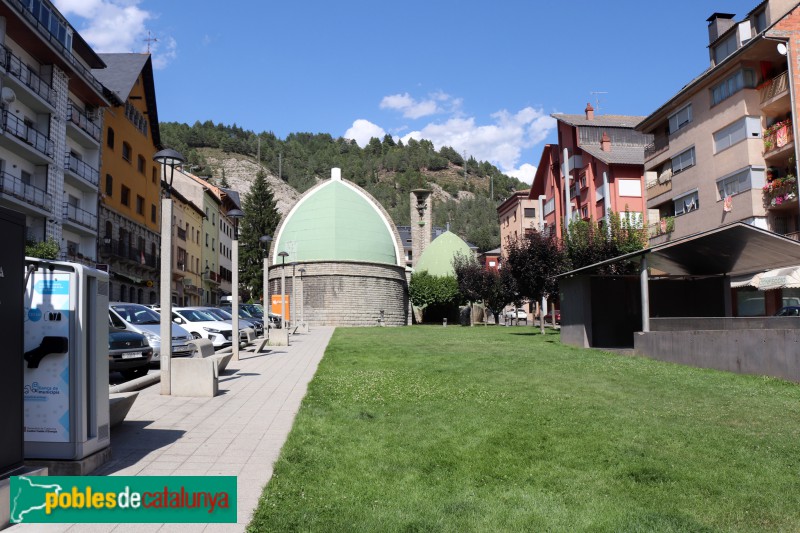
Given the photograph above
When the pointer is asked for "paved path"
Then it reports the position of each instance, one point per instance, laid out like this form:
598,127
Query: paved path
240,432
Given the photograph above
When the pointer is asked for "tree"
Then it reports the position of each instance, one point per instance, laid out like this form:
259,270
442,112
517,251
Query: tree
587,243
478,283
535,260
223,181
502,291
43,249
261,218
425,290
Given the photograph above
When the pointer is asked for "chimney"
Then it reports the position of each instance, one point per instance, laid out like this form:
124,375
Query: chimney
589,111
719,23
605,142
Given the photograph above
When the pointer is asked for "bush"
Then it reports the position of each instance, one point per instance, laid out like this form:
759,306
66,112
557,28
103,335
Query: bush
48,249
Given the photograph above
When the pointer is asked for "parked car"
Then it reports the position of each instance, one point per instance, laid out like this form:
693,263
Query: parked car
244,321
203,325
141,319
518,314
548,318
790,310
129,353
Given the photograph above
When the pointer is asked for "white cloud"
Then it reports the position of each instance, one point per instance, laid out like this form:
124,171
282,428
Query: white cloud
501,143
363,130
111,26
525,173
412,108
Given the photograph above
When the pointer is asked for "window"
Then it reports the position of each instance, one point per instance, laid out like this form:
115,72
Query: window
530,212
549,206
744,128
153,212
760,21
153,173
725,48
207,240
584,212
125,197
583,181
109,185
634,219
733,84
680,119
740,181
685,203
140,164
631,188
25,177
139,205
683,160
126,152
110,138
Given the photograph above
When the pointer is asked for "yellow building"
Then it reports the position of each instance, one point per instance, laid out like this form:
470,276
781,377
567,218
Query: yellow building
187,227
129,179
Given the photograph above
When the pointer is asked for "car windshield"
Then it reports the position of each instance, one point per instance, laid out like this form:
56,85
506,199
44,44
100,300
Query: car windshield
195,315
137,314
219,313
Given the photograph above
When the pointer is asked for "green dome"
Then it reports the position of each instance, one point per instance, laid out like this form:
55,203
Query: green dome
336,221
438,257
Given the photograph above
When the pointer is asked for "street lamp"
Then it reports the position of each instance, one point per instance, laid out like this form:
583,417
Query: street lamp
264,241
235,215
166,158
283,256
302,297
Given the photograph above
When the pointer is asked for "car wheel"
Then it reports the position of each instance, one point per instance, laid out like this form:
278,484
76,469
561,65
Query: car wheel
196,335
134,373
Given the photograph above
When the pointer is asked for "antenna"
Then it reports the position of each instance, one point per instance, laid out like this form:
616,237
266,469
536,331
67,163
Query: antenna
597,99
150,39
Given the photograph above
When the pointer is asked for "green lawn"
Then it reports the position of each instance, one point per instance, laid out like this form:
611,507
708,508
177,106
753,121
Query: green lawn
427,428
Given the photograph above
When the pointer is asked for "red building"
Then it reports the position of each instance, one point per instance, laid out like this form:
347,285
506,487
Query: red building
603,158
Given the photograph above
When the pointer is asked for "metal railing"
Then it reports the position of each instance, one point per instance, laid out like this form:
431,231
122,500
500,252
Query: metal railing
82,120
80,216
20,70
80,168
181,234
15,187
28,134
777,85
124,250
658,145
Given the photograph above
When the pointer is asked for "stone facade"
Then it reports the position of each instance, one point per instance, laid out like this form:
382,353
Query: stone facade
421,222
346,293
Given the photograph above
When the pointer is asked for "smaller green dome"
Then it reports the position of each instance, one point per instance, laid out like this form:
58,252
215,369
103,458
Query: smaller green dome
438,257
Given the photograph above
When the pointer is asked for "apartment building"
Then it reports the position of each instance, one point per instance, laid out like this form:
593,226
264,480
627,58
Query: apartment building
726,135
187,225
201,194
517,216
131,188
51,108
596,168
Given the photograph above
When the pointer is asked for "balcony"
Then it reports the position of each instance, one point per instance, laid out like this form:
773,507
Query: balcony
80,216
125,251
780,194
658,145
76,257
778,138
84,123
37,142
664,226
774,94
81,169
654,188
30,194
211,276
23,79
181,234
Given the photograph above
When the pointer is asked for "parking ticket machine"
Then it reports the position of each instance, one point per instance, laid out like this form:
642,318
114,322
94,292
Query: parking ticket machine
65,360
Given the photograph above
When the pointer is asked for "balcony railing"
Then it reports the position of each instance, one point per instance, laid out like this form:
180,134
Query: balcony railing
77,257
774,87
82,120
182,234
778,135
658,145
81,169
211,276
18,189
80,216
655,188
794,235
779,192
663,226
17,68
123,250
28,134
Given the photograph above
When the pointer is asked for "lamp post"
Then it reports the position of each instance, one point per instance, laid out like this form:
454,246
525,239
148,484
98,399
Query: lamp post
166,158
302,298
292,304
264,240
283,256
235,215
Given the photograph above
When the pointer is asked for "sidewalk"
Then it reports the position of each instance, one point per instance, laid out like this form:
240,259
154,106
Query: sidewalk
240,432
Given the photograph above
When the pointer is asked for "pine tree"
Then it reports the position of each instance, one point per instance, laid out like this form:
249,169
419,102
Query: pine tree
223,181
261,218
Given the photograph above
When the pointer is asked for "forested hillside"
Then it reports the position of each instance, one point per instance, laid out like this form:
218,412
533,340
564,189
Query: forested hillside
388,170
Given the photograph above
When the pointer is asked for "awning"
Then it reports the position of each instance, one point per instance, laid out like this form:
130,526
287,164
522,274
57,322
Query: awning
780,278
749,280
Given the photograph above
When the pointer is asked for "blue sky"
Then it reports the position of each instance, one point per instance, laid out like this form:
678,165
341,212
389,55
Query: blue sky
480,76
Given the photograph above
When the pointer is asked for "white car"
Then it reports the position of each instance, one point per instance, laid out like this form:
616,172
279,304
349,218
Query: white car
202,325
519,314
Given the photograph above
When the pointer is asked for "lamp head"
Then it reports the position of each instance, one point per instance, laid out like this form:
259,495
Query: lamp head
283,255
169,158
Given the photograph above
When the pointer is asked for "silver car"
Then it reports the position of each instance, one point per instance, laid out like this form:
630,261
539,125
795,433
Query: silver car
142,319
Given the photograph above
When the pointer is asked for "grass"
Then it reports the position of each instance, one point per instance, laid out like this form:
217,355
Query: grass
501,429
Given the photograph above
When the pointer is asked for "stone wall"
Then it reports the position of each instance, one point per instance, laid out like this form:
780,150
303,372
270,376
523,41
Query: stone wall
346,293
